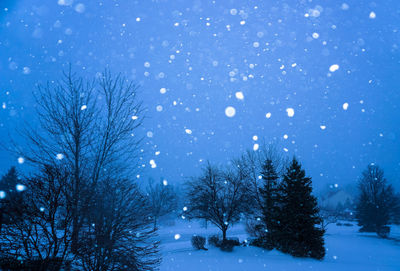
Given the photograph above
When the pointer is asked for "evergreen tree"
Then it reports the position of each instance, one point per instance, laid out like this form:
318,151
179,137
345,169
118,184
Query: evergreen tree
269,207
299,233
377,202
9,196
9,181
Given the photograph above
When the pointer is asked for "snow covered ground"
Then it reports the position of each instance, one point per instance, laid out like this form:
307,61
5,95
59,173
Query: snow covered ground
347,250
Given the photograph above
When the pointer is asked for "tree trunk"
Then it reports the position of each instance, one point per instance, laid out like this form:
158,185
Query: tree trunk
75,196
1,219
224,234
75,233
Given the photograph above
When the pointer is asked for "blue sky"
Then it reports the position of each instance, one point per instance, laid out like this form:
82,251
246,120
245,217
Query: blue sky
277,54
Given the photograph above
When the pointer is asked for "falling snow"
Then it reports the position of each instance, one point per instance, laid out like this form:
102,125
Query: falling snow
230,111
217,79
334,68
290,112
239,95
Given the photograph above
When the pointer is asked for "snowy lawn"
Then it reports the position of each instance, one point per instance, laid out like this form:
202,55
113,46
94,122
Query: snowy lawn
347,250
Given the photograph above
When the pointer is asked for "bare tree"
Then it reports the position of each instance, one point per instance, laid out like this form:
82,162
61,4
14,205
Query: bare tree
377,202
162,199
90,127
41,225
262,186
218,196
328,216
118,234
253,162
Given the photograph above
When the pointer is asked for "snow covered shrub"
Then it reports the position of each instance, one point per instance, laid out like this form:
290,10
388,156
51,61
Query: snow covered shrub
262,243
383,232
198,242
227,245
234,240
214,240
254,227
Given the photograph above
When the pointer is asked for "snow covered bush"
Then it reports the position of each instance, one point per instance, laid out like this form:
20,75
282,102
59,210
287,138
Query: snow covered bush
198,242
383,232
224,245
214,240
262,243
228,245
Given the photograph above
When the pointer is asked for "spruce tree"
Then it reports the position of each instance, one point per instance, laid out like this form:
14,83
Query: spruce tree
9,196
9,181
269,207
299,233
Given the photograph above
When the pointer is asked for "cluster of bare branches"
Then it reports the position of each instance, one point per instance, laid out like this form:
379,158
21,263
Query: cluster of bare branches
90,127
87,139
118,235
222,195
252,162
162,199
40,218
219,196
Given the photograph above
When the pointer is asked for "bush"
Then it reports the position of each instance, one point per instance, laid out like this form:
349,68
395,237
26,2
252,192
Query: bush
227,245
254,227
262,243
383,232
234,240
53,264
198,242
8,263
214,240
